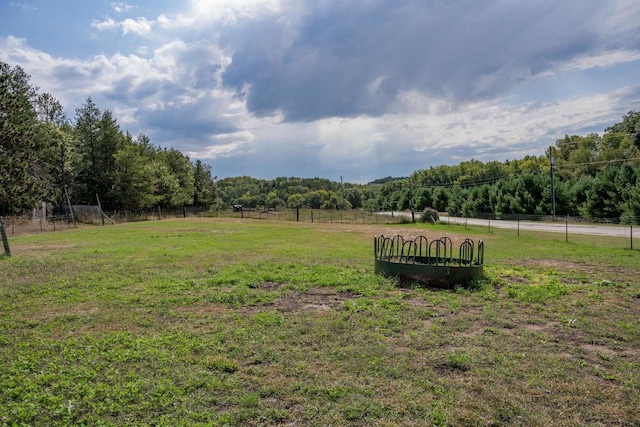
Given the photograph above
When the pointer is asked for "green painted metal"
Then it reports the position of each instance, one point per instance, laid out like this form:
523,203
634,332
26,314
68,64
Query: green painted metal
430,262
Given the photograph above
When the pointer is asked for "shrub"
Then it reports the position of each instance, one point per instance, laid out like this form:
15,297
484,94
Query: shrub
429,215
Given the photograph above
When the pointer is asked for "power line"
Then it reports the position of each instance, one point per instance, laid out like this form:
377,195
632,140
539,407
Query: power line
586,139
570,165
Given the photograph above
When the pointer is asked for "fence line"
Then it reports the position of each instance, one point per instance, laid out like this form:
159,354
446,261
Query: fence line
25,224
569,226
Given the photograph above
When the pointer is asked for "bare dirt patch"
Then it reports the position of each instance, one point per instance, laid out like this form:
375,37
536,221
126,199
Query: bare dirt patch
292,301
315,299
203,309
20,248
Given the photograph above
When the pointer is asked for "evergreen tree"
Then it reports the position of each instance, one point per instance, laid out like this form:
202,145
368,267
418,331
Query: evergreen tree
20,187
203,184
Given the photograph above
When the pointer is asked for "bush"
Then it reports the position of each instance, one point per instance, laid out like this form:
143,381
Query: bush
430,215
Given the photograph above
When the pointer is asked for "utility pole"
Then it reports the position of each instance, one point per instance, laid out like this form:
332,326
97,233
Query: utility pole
552,165
342,185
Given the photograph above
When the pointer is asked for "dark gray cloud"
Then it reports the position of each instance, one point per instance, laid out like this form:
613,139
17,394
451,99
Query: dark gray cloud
366,88
344,59
187,121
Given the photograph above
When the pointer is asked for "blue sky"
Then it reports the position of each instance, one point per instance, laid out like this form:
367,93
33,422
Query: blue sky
362,88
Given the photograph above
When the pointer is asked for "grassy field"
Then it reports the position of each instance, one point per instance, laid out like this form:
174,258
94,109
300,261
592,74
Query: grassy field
248,322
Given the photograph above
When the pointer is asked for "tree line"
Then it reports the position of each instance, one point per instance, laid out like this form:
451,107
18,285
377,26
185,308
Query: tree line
45,156
594,176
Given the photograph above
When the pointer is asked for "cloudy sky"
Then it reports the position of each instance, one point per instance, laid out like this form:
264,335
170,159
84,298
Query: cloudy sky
361,88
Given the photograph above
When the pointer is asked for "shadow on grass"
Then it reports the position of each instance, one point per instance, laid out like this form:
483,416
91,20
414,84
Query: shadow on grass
476,284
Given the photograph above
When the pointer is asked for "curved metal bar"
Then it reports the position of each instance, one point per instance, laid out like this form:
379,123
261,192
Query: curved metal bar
447,242
387,247
480,260
436,254
422,245
407,257
443,251
378,246
397,242
466,252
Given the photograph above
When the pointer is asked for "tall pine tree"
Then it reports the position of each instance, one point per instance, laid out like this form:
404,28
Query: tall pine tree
19,186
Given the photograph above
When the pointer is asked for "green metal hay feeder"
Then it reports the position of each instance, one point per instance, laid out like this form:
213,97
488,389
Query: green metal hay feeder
430,262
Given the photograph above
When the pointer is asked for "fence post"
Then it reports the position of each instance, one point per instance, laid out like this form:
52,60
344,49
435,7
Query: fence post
631,225
566,229
518,228
5,241
100,207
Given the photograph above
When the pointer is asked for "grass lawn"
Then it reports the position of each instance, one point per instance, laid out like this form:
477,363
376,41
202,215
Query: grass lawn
249,322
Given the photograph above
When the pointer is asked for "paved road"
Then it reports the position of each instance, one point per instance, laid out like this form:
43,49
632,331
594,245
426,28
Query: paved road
560,226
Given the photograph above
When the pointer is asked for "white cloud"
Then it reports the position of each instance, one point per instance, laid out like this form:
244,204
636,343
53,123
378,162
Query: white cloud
108,24
121,7
24,6
231,11
139,26
225,145
600,60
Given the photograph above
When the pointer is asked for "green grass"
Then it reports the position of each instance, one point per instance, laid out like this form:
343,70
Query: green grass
230,322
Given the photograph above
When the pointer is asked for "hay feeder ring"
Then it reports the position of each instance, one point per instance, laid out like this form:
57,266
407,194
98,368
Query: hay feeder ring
431,262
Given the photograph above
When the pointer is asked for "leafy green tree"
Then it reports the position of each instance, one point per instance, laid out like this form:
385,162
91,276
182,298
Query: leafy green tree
441,200
629,125
273,200
134,177
423,198
333,200
455,198
372,204
174,175
631,206
57,153
57,158
295,201
354,196
404,199
315,199
203,184
603,197
86,138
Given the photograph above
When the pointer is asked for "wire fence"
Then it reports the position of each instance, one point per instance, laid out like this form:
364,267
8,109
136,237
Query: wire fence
17,225
603,231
